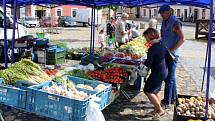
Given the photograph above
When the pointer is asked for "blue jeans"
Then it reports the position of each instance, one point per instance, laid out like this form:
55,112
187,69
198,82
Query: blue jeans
170,92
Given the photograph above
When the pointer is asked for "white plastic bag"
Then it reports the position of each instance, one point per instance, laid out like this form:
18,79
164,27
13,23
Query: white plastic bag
143,70
93,111
133,77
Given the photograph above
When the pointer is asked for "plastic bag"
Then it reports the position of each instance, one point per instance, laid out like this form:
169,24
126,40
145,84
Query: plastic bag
93,111
143,70
133,76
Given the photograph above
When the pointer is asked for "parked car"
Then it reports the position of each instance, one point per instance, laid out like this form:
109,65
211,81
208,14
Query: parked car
66,21
48,22
29,22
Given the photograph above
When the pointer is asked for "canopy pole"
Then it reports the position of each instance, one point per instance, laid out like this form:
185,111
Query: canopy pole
209,57
5,35
92,35
14,32
91,32
94,25
206,59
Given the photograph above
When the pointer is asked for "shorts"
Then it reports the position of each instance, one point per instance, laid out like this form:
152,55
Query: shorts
153,84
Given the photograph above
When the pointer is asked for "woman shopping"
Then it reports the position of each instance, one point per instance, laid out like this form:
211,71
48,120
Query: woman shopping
121,32
156,62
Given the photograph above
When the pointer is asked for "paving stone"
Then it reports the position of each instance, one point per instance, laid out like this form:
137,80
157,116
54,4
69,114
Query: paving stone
10,118
1,112
18,120
16,111
8,113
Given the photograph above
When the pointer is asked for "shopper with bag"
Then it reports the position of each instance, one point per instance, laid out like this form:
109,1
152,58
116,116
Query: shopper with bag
156,62
172,38
121,32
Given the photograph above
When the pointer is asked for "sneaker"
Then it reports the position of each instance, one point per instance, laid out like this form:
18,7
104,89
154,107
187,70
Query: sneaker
164,105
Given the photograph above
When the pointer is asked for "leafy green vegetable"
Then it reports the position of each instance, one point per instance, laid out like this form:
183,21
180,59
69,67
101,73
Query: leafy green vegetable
78,73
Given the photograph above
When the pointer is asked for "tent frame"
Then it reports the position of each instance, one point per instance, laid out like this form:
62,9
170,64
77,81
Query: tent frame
127,3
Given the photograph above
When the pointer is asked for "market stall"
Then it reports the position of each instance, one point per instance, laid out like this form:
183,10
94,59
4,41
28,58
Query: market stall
58,93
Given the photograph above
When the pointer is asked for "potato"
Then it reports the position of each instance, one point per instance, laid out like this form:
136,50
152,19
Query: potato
180,100
183,100
187,100
197,109
196,100
192,109
197,113
202,110
191,104
193,113
184,108
188,113
197,104
204,99
186,105
213,115
180,110
202,113
199,98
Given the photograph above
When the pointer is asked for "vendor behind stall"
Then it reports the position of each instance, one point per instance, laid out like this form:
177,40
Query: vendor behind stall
156,62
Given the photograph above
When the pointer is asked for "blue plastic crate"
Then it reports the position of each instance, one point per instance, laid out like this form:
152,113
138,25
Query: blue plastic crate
104,95
55,52
56,106
42,41
55,49
12,96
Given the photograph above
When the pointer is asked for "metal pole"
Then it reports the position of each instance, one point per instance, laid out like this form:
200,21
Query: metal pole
209,57
5,35
203,79
94,16
14,32
91,31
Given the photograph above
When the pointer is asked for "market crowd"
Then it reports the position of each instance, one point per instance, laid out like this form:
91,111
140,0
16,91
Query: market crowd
162,56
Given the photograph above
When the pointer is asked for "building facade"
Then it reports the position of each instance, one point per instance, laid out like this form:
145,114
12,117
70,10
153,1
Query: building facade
39,11
185,13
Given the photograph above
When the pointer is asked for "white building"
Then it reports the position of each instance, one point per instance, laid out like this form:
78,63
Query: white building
186,13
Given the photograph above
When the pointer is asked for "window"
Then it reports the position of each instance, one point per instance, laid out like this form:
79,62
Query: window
144,12
178,13
73,12
1,19
59,12
155,12
185,13
203,13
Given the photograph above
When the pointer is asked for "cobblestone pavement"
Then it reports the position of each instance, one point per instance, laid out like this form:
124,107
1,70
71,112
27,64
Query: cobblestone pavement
121,109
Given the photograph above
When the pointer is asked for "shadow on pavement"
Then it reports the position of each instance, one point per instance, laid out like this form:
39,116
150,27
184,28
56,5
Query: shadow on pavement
212,72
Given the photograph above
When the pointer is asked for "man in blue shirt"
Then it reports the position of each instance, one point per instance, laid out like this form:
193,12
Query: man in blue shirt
172,37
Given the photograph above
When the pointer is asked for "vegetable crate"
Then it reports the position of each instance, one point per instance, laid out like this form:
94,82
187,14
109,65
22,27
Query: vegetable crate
177,117
12,96
56,106
55,61
104,95
55,52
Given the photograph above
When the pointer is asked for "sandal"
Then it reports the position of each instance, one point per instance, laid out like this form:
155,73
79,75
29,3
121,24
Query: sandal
157,115
150,114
